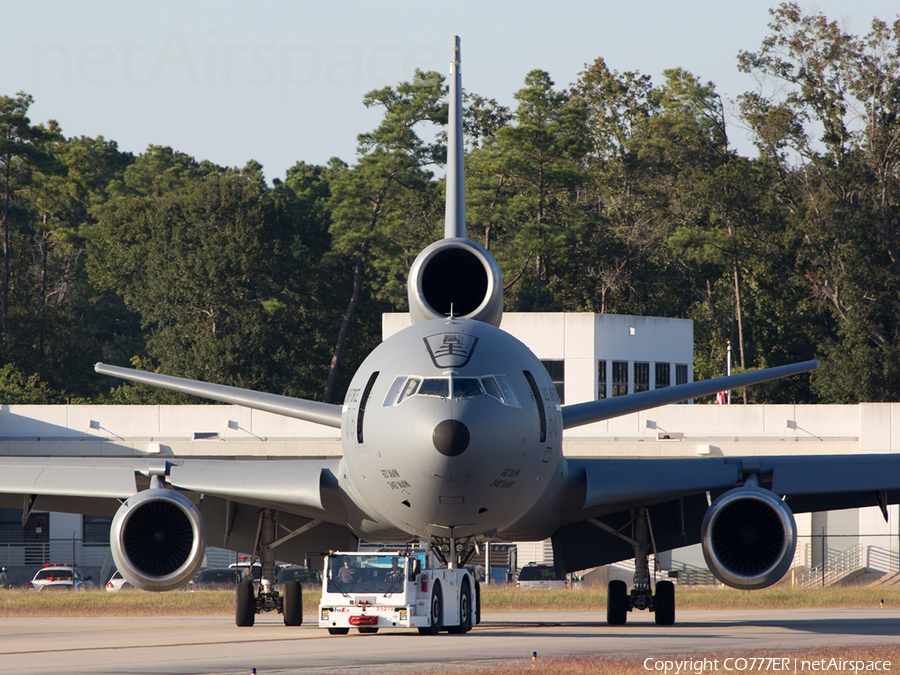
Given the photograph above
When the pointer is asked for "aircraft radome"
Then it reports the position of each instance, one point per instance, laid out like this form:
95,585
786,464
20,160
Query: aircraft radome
452,435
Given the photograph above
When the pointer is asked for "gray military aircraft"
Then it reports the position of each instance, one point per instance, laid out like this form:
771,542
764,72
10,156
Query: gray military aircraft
452,435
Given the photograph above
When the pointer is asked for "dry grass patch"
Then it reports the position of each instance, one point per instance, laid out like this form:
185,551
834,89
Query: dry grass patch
16,603
593,599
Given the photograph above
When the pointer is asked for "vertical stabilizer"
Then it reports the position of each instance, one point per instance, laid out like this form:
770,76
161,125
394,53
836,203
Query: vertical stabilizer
455,210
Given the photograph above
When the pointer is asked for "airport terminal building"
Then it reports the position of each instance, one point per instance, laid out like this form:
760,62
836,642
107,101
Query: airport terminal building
589,356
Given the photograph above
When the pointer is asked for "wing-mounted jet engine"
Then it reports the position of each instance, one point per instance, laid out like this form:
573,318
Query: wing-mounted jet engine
158,539
749,537
459,277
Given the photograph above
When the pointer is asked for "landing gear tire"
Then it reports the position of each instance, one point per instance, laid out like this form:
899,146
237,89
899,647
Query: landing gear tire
477,603
617,603
465,611
293,604
368,629
245,604
665,603
437,614
336,630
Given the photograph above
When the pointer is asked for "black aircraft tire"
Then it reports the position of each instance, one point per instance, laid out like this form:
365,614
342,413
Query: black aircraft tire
665,603
338,630
368,629
617,603
293,603
437,614
245,604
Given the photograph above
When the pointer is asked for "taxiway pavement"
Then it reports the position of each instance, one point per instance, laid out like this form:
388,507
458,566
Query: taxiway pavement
214,645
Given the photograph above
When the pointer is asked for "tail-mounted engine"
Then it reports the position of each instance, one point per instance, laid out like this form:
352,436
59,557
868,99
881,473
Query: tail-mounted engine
456,276
748,538
158,539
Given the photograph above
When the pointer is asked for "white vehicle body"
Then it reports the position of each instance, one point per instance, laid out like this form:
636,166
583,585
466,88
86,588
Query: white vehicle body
65,577
367,591
117,583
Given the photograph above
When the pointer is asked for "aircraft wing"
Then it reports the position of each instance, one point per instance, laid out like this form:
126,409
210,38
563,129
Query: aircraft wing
677,494
288,485
326,414
578,414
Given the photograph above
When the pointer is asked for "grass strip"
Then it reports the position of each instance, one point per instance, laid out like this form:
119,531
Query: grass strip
20,603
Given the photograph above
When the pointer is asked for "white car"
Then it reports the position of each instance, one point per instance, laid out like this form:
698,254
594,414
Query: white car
535,575
117,583
60,577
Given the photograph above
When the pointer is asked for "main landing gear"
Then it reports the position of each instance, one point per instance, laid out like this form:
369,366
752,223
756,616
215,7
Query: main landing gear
249,602
618,600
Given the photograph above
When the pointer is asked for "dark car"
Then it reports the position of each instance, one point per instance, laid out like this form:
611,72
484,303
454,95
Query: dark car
535,575
307,578
215,579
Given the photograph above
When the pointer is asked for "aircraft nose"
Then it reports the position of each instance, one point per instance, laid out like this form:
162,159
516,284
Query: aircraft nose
451,438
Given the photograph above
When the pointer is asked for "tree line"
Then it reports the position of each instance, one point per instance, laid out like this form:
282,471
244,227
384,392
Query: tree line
614,194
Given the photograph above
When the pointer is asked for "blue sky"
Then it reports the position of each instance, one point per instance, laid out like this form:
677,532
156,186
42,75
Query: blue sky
283,81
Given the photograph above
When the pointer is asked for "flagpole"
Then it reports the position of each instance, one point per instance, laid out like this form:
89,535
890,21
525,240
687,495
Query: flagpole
728,368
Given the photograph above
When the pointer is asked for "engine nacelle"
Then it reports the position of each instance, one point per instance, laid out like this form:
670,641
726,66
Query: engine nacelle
158,540
458,276
749,538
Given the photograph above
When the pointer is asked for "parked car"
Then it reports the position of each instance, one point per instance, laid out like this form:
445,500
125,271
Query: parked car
218,578
535,575
60,577
117,583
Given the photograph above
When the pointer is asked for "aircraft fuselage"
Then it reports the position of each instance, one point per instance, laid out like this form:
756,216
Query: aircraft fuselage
451,428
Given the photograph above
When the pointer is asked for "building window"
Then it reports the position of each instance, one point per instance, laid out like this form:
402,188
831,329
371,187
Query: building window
663,376
11,525
95,530
680,373
641,377
557,372
601,380
619,378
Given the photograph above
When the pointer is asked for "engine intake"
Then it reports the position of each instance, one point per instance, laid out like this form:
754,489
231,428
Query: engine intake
458,276
749,538
158,539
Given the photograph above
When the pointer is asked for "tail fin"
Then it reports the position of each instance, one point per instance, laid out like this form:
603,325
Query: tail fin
455,276
455,210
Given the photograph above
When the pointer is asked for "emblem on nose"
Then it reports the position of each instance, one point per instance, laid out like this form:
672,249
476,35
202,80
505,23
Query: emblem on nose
451,438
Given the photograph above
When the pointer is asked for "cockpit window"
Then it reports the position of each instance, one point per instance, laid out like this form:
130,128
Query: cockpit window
391,397
509,395
467,387
495,386
435,387
411,385
402,388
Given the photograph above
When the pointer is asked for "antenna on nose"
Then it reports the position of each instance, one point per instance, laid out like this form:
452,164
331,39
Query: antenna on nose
455,209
